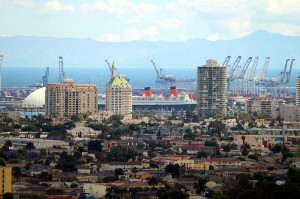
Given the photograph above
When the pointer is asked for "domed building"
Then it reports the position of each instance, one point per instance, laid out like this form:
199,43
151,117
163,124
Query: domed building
35,99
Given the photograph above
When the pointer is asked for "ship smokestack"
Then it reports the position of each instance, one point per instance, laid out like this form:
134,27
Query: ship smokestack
148,92
173,91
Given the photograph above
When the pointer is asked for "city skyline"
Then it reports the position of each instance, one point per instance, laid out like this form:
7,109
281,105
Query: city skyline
112,20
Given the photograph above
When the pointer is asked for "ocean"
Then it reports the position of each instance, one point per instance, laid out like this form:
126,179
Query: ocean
139,77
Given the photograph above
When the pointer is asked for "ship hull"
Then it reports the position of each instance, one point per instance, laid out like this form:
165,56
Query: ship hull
158,106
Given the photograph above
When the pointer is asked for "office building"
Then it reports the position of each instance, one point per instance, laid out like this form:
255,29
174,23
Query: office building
5,180
211,82
119,95
71,99
298,91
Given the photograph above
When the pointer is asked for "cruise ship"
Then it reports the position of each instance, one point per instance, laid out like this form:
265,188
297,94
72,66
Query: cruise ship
176,101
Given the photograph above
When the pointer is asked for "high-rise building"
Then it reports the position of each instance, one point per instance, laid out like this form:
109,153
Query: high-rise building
211,87
5,180
119,95
298,91
71,99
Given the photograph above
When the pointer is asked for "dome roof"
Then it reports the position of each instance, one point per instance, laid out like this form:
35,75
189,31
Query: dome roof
36,98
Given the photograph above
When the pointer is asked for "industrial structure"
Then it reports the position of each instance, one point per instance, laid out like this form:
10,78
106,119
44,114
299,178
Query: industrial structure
62,75
71,99
163,81
246,79
118,94
44,81
211,90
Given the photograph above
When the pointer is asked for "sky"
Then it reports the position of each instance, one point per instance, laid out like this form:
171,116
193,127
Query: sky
152,20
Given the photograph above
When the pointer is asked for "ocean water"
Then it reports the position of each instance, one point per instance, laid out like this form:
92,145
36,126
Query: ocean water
139,77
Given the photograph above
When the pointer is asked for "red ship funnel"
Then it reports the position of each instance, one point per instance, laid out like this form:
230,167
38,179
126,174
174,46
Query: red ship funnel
173,91
148,91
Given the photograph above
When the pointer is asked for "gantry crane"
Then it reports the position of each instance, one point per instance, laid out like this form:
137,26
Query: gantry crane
244,69
112,69
62,75
233,68
45,77
262,72
225,63
162,80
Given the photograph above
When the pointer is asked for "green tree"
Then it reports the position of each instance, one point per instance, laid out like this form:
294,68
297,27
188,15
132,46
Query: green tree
202,154
174,194
119,171
189,136
199,185
95,145
2,162
30,146
17,172
121,154
210,143
153,181
8,196
8,143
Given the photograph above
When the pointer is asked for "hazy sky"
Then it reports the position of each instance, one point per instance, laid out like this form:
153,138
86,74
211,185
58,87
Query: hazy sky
126,20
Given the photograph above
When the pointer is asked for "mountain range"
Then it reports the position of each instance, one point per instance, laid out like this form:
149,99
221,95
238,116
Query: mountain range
33,51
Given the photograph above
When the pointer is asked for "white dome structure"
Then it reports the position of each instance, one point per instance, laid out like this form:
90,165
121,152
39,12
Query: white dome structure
35,99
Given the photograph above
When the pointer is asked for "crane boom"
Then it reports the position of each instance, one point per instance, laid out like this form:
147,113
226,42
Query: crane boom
62,75
111,68
234,66
246,65
252,69
159,71
225,63
1,59
46,77
283,74
263,71
288,74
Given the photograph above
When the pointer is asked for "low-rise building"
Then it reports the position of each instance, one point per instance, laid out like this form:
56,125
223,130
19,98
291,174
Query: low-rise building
5,180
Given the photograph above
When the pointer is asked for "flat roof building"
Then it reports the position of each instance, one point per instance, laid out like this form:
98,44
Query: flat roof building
71,99
5,180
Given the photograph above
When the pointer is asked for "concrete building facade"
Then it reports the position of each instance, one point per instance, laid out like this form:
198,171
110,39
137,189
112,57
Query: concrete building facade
5,180
211,88
119,95
260,105
71,99
298,91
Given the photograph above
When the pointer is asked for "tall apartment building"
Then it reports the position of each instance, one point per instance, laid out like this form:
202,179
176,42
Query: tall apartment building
119,95
71,99
260,105
298,91
211,87
5,180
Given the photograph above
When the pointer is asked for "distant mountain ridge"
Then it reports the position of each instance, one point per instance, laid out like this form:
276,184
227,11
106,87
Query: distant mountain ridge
32,51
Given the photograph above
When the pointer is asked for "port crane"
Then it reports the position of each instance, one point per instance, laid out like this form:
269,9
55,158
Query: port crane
162,80
232,69
62,75
1,60
111,68
225,63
